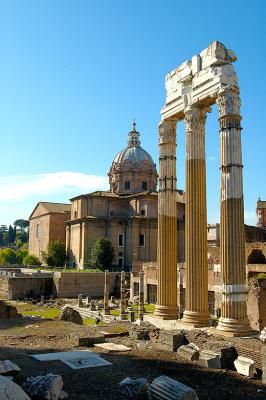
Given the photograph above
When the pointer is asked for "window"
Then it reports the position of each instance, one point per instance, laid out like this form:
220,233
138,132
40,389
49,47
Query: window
144,185
38,231
120,262
143,212
120,240
111,212
127,185
142,240
75,214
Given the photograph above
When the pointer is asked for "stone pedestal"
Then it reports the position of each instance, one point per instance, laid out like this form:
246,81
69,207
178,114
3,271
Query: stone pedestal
232,244
123,315
80,300
166,307
141,295
196,312
106,310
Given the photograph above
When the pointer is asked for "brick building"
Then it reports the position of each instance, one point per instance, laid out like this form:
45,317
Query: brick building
126,214
261,213
46,223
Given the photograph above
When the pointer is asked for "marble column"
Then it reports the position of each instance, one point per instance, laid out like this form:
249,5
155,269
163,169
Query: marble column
141,295
122,302
166,307
196,313
232,243
106,293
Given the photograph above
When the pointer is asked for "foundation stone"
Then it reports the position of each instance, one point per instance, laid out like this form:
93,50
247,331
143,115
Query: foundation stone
172,340
209,359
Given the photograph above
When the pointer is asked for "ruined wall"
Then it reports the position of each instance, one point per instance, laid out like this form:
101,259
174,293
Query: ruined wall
256,303
12,288
67,284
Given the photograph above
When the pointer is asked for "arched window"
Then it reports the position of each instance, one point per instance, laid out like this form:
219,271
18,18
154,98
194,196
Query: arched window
256,257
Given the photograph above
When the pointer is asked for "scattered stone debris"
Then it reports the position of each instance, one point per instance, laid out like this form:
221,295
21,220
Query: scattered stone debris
8,368
71,315
189,352
245,366
112,347
11,391
172,340
47,387
209,359
227,351
263,335
167,388
87,340
7,311
133,387
114,334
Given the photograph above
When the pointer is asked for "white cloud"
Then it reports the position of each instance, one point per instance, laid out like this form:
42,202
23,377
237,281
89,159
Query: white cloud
211,158
19,188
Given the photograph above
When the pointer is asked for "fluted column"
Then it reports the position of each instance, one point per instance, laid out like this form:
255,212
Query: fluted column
141,295
166,307
196,312
106,293
232,245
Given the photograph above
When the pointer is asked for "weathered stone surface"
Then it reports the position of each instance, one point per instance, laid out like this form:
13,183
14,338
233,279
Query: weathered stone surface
209,359
71,315
263,335
114,334
8,368
47,387
172,340
263,359
87,340
112,347
189,352
7,311
245,366
167,388
11,391
132,388
227,351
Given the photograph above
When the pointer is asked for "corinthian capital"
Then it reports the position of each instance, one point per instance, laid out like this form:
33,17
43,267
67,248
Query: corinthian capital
167,132
228,102
195,118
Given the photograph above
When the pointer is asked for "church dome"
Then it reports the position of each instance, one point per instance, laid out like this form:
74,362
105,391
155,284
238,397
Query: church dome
133,169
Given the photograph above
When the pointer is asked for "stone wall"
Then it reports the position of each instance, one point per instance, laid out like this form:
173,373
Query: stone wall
67,284
256,303
12,288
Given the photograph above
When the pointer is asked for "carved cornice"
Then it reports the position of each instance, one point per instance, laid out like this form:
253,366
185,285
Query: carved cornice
228,102
167,132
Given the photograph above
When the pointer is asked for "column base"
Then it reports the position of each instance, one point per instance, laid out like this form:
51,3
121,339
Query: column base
166,312
234,327
196,319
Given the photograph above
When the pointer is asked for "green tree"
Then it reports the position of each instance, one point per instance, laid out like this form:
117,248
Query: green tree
101,254
8,256
10,234
31,260
21,254
55,255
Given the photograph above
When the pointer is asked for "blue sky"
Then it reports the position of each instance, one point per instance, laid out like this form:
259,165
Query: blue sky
73,75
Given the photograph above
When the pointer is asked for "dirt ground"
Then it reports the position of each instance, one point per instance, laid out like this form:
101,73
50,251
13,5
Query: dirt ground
22,337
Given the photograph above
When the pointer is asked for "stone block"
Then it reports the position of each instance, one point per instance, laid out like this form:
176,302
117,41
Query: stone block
8,368
263,360
86,340
263,335
44,386
171,340
10,390
112,347
114,334
167,388
209,359
131,388
227,351
190,352
245,366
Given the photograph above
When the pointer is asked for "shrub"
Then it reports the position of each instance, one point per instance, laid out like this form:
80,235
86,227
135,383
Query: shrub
55,255
8,256
31,260
102,254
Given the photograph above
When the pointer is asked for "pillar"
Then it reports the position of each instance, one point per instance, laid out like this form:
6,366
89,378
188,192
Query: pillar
196,313
232,243
122,302
166,307
141,295
106,293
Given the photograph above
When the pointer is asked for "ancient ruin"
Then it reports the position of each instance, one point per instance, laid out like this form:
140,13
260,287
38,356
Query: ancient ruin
192,88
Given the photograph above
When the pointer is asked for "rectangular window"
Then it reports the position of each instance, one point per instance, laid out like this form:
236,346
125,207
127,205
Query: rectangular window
144,185
38,231
143,212
127,185
120,262
142,240
120,240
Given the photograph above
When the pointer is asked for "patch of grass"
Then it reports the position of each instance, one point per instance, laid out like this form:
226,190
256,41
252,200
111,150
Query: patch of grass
31,309
148,308
116,313
92,322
